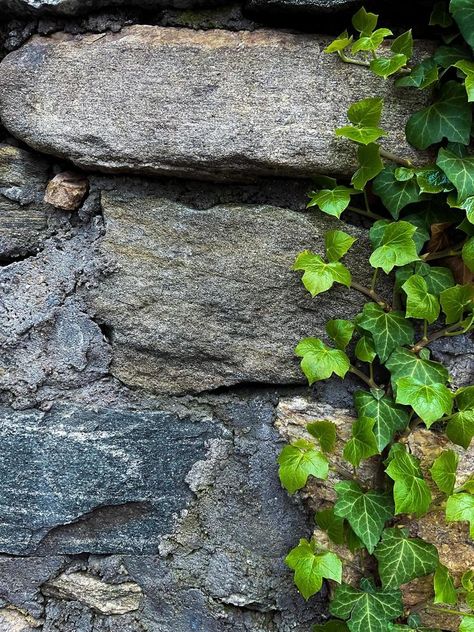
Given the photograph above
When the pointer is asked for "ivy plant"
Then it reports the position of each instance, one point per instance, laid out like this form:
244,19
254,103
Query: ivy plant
422,246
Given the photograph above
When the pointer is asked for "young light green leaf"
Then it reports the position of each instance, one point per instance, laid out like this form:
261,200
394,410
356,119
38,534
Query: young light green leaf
365,512
467,580
320,276
394,194
457,300
389,329
340,331
429,401
467,624
397,247
404,363
403,44
402,174
468,254
389,418
460,508
363,443
422,75
410,491
319,361
325,432
370,165
462,12
369,609
443,471
332,201
467,67
370,42
364,22
402,559
311,566
366,113
340,43
362,135
460,428
460,171
332,524
365,350
337,244
449,117
386,66
420,302
444,589
297,462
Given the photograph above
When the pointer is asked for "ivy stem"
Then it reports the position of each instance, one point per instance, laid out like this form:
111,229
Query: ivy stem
352,60
442,254
368,380
425,329
374,279
371,294
394,158
366,202
371,371
457,613
365,213
450,330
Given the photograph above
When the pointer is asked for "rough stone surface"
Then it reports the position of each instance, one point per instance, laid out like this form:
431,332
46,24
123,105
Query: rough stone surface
206,298
214,104
77,7
67,190
306,6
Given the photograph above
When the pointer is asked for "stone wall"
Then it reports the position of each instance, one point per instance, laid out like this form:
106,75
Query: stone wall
154,163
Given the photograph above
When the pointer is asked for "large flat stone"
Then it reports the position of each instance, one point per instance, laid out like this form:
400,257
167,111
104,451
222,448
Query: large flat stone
203,298
214,104
78,7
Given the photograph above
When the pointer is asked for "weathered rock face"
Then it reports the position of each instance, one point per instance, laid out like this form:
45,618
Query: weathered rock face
306,6
211,105
203,298
77,7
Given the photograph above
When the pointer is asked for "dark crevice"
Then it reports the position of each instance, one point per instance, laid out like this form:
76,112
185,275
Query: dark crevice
9,260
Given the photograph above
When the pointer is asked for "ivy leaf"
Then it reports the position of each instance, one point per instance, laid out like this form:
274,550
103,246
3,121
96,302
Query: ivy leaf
467,624
403,44
429,401
319,361
297,462
467,580
449,117
436,278
337,244
460,171
320,276
332,201
369,609
394,194
467,67
447,56
457,300
340,331
444,589
422,75
410,491
420,302
365,350
460,508
370,165
363,444
402,559
389,329
333,625
402,174
460,428
386,66
389,418
365,118
364,22
397,247
404,363
332,524
432,180
365,512
468,254
443,471
463,14
362,135
312,566
440,15
340,43
370,42
325,432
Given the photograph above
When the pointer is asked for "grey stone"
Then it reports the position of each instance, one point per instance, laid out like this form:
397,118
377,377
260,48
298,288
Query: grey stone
203,298
212,104
302,6
457,354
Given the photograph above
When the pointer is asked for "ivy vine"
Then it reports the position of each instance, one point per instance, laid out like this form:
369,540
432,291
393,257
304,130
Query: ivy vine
421,214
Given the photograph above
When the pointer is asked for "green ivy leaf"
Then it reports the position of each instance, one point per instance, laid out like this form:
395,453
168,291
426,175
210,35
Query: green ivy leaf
364,22
403,44
389,418
362,135
460,508
365,350
463,14
337,244
468,254
429,401
389,329
363,444
320,276
436,278
340,331
386,66
410,491
460,427
340,43
325,432
334,625
443,471
467,624
422,75
420,302
370,165
312,566
369,609
467,580
332,201
365,117
319,361
449,117
444,589
370,42
394,194
467,67
460,171
365,512
402,559
332,524
397,247
440,15
457,300
402,174
297,462
432,180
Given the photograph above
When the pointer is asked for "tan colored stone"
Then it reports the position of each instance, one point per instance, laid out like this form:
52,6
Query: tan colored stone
67,190
14,620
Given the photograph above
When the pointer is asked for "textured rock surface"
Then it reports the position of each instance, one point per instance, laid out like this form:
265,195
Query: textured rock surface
307,6
67,190
76,7
206,298
212,104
